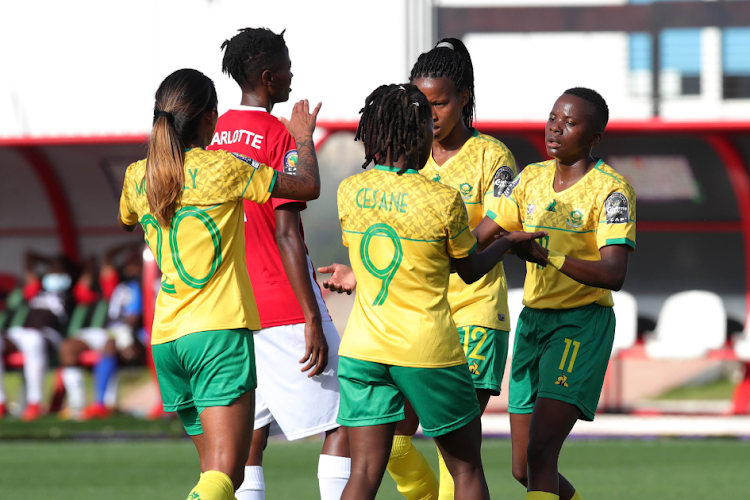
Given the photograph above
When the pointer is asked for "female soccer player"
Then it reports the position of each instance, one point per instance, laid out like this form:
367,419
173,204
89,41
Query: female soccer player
189,202
480,167
565,332
402,231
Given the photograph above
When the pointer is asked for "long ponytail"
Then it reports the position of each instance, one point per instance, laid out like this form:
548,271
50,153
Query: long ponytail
181,101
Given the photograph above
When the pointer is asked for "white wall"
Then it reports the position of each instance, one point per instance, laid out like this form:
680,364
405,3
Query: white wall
89,67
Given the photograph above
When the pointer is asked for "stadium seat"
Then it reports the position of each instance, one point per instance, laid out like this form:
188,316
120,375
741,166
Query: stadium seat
626,329
690,324
515,306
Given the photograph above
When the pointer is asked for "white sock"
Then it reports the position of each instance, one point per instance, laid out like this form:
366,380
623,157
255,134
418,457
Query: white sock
31,343
2,371
333,474
254,485
74,386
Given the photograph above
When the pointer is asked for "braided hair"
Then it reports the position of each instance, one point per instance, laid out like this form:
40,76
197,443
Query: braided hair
601,110
391,124
250,52
449,59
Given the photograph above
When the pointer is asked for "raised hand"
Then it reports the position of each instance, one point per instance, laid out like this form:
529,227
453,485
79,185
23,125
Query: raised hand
302,122
342,280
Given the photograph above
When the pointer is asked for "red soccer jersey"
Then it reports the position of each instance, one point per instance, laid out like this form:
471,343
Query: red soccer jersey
256,133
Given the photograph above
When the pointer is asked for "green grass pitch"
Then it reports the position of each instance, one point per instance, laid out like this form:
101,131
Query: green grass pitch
615,470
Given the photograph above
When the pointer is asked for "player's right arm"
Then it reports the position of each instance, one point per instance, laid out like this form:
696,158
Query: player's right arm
477,264
305,184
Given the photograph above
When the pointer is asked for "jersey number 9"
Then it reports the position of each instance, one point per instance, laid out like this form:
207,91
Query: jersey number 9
387,273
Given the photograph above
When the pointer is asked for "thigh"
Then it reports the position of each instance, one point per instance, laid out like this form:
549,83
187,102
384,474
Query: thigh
524,371
173,378
220,364
302,406
444,399
369,395
577,347
486,352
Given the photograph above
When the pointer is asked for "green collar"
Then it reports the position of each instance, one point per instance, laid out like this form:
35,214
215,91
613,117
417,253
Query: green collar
394,169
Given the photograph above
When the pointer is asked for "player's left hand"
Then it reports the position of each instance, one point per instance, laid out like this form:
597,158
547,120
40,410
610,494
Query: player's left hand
342,280
316,349
531,251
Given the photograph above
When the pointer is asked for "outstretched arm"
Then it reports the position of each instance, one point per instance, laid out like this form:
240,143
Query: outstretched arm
342,280
609,272
305,183
477,264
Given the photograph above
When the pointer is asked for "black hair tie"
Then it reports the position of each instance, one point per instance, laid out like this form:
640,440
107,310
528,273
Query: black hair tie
169,116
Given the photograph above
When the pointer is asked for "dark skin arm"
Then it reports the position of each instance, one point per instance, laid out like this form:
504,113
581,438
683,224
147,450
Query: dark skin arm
305,184
478,264
294,258
609,272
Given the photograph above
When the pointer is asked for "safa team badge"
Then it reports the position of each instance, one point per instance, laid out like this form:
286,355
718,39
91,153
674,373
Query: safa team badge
465,188
290,162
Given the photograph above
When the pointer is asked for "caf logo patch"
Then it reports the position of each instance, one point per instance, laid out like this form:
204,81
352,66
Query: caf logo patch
290,162
509,190
503,178
617,209
253,163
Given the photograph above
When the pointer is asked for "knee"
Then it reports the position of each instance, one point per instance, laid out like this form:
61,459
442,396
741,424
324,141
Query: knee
67,354
520,473
538,453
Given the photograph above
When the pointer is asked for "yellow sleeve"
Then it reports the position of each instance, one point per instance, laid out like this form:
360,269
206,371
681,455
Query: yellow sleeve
497,177
508,215
127,215
340,204
461,242
253,180
617,219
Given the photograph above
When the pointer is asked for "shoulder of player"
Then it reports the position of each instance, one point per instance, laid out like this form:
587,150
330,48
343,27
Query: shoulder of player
532,171
610,180
491,150
136,169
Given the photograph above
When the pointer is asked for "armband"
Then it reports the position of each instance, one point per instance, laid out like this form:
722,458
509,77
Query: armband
555,259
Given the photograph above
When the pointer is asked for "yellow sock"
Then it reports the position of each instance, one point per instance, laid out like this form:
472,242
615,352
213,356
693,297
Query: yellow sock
213,485
411,471
541,495
446,480
576,496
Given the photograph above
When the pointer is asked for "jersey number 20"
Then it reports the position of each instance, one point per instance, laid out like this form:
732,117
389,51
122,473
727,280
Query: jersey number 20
149,221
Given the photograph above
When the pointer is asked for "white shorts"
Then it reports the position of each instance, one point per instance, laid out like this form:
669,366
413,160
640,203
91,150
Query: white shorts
292,403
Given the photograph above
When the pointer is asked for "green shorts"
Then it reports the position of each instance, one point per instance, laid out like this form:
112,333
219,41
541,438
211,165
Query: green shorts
444,399
486,351
204,369
561,354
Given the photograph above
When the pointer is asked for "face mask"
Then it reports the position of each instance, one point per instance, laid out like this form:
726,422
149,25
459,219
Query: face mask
56,282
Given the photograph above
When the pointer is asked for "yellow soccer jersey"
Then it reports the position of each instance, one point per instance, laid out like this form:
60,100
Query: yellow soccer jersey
597,211
401,231
205,285
481,171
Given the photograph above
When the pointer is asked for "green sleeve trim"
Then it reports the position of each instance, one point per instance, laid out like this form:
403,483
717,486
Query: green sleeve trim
273,181
460,232
492,215
252,174
472,249
620,241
